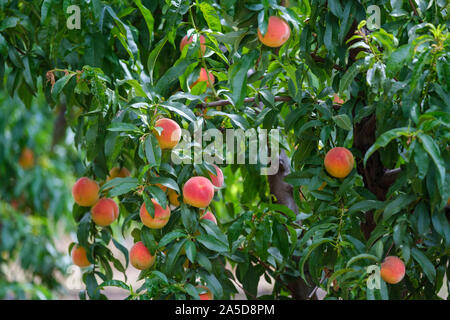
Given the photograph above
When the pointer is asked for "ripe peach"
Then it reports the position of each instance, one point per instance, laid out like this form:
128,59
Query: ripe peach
170,134
160,219
337,99
186,41
117,172
217,180
173,198
204,77
140,256
277,33
339,162
79,256
209,216
392,270
85,192
198,192
206,294
104,212
26,160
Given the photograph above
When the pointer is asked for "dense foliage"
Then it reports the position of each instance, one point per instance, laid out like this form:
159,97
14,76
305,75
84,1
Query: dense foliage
33,200
381,93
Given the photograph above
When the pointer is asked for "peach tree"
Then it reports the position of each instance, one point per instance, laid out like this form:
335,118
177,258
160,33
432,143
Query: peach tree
357,90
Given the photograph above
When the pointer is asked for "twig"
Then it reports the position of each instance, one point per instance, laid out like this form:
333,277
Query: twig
414,8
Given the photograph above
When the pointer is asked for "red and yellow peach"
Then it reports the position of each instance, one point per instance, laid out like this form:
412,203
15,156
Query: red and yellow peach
26,160
160,219
85,192
185,40
339,162
170,134
217,179
105,212
140,256
198,192
79,256
278,32
392,270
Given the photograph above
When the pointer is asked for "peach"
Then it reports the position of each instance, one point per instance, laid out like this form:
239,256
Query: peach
170,134
26,160
173,198
392,270
206,294
85,192
161,216
209,216
198,192
203,76
79,256
339,162
337,99
186,41
117,172
278,32
140,256
217,180
104,212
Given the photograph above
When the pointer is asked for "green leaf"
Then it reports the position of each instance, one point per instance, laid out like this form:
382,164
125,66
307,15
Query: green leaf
383,140
212,243
343,121
165,181
180,109
425,264
237,77
432,149
119,186
397,205
149,240
153,56
152,151
211,16
348,77
366,205
171,76
114,283
169,237
123,127
362,256
148,17
60,84
191,250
